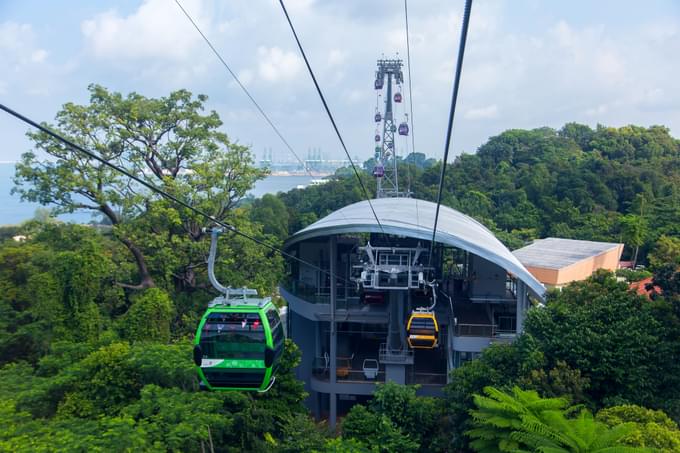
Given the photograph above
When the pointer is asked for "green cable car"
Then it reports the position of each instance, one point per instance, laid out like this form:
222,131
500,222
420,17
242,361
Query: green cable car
239,340
238,344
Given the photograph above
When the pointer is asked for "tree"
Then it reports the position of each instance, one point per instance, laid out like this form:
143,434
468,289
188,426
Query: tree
634,230
418,417
653,429
149,317
666,251
560,381
498,415
583,434
500,365
271,212
166,141
376,431
523,421
585,319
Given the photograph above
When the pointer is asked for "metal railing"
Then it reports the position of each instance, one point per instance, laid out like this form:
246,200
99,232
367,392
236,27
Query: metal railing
346,295
482,330
345,371
428,378
395,356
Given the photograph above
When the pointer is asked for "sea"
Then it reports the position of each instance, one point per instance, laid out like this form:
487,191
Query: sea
14,211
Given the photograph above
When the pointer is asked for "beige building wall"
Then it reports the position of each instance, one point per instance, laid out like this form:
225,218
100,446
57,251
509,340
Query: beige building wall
578,271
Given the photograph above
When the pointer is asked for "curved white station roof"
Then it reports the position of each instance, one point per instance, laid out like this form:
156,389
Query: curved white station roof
415,218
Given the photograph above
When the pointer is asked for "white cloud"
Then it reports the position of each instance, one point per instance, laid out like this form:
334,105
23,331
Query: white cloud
17,43
25,68
356,96
336,57
277,65
527,64
245,76
156,30
482,113
597,110
38,56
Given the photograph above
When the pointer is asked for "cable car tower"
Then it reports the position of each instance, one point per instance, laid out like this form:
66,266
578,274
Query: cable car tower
385,170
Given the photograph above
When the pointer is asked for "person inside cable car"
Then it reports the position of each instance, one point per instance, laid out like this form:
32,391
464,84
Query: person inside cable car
239,350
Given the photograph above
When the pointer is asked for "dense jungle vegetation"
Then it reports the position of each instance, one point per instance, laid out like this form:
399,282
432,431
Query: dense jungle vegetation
96,321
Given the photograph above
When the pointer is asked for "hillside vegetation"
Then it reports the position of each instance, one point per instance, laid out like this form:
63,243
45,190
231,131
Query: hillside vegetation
96,321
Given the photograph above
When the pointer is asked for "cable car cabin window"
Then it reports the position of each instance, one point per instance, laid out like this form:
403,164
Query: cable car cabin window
422,326
233,336
277,332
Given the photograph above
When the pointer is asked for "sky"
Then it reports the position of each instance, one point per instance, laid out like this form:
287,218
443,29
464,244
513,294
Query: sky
528,64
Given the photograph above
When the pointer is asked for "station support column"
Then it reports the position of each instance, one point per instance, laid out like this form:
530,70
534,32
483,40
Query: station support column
522,305
332,418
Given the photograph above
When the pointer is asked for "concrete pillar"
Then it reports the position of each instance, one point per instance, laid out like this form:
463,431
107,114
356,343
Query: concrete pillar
521,305
333,410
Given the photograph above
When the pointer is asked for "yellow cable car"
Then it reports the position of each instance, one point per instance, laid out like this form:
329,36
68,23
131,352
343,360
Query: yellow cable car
422,330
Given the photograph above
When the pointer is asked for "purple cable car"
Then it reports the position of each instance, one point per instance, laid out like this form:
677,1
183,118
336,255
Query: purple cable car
377,137
379,171
377,117
397,97
403,129
378,84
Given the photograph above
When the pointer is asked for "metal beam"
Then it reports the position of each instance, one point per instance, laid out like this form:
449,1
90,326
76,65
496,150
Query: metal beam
332,419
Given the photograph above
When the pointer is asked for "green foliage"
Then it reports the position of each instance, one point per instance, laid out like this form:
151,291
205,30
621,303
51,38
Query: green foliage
149,317
288,393
417,417
666,251
523,421
634,231
53,286
583,434
396,412
602,184
271,212
158,139
499,415
376,431
300,434
499,365
587,318
344,445
560,381
633,275
89,362
653,429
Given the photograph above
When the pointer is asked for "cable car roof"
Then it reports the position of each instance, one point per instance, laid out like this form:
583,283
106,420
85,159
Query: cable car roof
414,218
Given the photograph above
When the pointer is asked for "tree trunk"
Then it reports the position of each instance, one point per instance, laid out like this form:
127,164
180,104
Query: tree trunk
146,281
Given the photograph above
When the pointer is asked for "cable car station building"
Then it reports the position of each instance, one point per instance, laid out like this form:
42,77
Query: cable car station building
356,315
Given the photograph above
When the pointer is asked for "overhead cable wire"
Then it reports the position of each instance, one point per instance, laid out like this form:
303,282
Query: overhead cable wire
244,89
162,192
330,116
452,112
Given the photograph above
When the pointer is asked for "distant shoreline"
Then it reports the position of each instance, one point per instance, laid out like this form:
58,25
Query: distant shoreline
319,174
